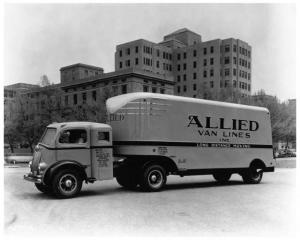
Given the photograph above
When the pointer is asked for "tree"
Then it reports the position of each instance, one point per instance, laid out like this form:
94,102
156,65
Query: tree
44,81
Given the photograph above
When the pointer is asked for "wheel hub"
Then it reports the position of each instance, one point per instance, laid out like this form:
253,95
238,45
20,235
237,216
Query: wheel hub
68,183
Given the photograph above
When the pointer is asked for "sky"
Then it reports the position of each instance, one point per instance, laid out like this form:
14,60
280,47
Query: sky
41,38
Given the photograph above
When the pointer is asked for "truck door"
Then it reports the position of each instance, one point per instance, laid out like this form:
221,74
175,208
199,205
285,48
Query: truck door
73,144
101,151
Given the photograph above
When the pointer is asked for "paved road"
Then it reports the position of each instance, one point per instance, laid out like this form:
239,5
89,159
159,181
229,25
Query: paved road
189,206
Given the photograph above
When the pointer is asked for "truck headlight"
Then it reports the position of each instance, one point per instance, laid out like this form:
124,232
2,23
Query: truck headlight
42,166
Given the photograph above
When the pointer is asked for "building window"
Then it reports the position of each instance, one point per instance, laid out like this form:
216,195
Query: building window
184,77
74,99
249,76
226,83
227,72
184,88
195,53
157,64
127,63
120,53
178,89
204,51
211,61
136,49
94,95
211,84
204,62
178,67
184,66
194,75
128,51
211,49
227,48
211,72
249,87
178,78
194,87
178,56
249,65
157,52
83,97
234,48
66,100
154,89
204,73
124,89
162,91
195,64
234,72
234,83
226,60
184,55
136,61
145,88
234,60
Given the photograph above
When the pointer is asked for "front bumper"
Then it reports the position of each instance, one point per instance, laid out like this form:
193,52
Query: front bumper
31,178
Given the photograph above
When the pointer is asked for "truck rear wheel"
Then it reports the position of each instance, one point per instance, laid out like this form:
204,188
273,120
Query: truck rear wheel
153,178
222,177
127,179
66,183
43,188
253,175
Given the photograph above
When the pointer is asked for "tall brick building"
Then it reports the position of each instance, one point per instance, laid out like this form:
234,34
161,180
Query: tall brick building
193,64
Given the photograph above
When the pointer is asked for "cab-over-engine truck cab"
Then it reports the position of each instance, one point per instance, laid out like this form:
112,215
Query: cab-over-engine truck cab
70,153
151,136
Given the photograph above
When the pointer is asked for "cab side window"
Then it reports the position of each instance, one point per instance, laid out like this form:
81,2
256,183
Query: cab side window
72,136
103,136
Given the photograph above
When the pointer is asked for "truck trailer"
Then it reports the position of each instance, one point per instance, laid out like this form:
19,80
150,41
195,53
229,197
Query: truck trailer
149,136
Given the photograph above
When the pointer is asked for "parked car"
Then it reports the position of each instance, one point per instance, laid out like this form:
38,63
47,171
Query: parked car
286,153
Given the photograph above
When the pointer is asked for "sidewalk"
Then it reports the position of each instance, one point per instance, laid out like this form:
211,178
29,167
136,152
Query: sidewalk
17,159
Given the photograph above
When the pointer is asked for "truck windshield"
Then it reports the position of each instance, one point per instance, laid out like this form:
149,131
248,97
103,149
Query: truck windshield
48,136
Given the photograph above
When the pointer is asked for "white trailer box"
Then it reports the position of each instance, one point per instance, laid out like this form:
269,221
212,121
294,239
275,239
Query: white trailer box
199,136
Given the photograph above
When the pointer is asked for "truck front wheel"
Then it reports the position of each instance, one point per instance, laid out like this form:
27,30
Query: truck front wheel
66,183
222,177
153,178
43,188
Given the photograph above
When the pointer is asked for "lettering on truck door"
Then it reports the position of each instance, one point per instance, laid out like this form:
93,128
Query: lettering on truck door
102,159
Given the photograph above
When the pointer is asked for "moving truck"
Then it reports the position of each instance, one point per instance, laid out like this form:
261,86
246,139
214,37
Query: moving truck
150,136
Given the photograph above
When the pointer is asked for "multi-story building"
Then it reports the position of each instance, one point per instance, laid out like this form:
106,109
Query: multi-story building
12,95
193,64
80,84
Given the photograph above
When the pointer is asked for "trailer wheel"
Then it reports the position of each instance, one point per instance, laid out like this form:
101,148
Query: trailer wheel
66,183
222,177
127,179
43,188
153,178
253,175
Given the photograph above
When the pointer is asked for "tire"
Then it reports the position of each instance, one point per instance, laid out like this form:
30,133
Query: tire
253,175
127,179
67,183
153,178
222,177
43,188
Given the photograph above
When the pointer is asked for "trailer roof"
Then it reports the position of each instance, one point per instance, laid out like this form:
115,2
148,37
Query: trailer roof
79,124
115,103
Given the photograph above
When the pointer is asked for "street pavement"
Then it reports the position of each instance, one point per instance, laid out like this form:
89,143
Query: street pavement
188,207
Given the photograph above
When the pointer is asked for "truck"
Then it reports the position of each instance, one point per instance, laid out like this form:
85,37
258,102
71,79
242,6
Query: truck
150,136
